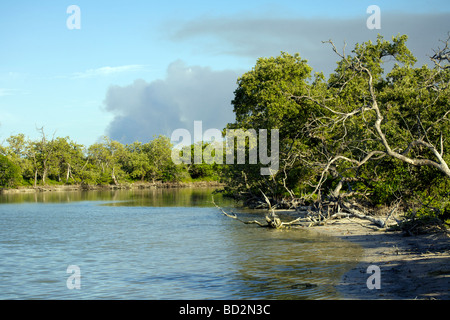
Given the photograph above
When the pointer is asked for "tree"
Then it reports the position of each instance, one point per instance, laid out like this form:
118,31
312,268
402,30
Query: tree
136,163
16,151
61,160
9,173
108,156
260,100
69,159
40,154
207,169
366,117
159,153
361,132
263,100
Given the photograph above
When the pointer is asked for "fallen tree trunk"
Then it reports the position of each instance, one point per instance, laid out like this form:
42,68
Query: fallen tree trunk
360,215
272,220
322,212
233,216
319,213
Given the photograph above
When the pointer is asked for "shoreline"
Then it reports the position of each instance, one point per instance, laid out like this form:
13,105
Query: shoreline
411,267
124,186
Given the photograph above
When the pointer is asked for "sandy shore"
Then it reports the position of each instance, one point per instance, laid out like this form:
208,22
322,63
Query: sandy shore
411,267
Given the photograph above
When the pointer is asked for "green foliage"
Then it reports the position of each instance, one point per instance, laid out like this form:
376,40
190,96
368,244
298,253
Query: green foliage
203,171
328,127
63,161
262,99
9,173
161,167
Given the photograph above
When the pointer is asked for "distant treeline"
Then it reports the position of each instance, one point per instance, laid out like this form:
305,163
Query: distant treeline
48,161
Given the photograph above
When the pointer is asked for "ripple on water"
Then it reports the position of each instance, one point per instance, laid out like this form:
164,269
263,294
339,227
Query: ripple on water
175,251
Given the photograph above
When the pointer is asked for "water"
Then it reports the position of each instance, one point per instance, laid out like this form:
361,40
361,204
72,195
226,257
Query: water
158,244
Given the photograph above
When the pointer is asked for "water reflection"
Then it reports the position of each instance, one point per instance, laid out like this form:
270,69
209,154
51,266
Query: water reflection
154,197
290,264
158,244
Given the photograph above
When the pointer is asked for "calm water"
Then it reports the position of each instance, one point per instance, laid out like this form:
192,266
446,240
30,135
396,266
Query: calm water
158,244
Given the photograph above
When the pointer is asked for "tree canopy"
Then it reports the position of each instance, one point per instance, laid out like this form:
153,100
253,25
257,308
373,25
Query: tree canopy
59,160
367,132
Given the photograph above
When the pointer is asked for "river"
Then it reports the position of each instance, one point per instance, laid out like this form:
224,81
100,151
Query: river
158,244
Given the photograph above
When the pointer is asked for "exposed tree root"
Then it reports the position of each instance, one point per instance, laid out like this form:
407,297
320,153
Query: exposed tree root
319,213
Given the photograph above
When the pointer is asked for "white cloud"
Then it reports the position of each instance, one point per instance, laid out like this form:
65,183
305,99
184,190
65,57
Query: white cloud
106,71
187,93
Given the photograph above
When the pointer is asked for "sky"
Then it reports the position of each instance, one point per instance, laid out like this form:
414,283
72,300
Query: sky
137,69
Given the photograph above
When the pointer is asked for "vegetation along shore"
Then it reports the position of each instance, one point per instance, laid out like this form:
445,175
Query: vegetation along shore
363,155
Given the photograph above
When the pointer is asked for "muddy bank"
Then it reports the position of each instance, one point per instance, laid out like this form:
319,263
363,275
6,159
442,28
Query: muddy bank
137,185
411,267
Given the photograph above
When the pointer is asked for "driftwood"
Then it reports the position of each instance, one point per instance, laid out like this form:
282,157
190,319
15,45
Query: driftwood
272,220
319,213
323,212
233,216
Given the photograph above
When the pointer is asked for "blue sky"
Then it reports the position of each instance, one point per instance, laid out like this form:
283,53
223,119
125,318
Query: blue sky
136,69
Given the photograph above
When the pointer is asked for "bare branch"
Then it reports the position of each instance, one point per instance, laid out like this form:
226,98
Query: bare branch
440,165
233,216
442,55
